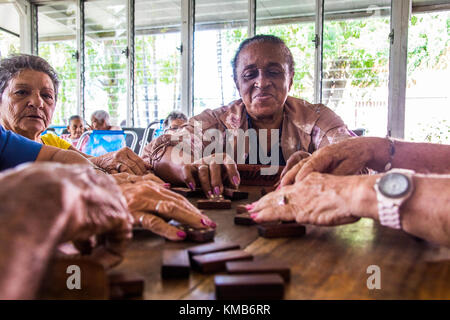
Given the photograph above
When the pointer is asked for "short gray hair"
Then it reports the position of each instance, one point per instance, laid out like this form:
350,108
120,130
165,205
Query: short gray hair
101,115
10,67
174,115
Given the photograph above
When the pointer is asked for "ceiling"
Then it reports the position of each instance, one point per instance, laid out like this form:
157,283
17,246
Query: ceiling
57,19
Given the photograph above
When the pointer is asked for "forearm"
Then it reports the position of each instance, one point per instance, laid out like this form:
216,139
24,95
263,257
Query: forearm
26,245
62,156
425,214
23,267
72,148
420,157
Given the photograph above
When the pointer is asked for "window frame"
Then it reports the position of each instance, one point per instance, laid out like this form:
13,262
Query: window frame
401,11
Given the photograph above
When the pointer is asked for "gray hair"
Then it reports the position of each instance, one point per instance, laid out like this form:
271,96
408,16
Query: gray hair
10,67
101,115
173,116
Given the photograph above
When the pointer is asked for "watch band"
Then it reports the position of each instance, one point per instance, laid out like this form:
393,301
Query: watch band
389,208
388,213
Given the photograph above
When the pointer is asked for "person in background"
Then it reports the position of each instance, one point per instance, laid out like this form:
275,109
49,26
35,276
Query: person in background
325,190
75,128
100,120
174,120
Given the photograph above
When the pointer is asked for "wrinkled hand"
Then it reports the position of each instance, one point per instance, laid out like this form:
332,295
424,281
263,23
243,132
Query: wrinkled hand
295,158
210,173
319,199
151,204
84,203
124,177
123,160
347,157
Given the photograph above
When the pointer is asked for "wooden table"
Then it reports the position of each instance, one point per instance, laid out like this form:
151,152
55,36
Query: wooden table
327,263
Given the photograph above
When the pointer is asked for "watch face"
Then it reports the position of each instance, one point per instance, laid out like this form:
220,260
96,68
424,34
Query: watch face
394,185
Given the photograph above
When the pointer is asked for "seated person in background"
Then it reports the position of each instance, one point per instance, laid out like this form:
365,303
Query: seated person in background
28,95
100,121
416,201
174,121
75,128
263,70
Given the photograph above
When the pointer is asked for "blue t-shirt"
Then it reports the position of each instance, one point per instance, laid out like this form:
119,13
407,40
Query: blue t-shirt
15,149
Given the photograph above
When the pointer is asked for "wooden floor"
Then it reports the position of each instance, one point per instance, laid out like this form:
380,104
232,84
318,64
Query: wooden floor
327,263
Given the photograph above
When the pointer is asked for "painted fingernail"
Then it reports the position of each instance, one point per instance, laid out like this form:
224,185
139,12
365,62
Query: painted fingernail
181,234
216,191
191,185
235,180
166,185
208,223
254,215
249,206
279,187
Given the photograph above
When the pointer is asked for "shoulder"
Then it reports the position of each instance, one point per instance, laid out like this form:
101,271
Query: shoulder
15,149
308,115
51,139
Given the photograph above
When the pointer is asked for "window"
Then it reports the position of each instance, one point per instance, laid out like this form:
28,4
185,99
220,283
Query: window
356,63
9,44
58,45
220,26
105,58
427,110
157,62
294,22
9,30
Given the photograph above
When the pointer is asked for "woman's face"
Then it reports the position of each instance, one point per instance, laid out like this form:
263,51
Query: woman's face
76,128
28,103
263,79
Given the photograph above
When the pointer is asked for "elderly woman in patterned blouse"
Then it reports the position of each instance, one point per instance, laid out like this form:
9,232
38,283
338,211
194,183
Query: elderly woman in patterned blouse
263,70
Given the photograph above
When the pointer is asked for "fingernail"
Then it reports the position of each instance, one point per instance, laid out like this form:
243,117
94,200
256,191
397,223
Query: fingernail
278,188
181,234
191,185
216,191
166,185
208,223
249,206
235,180
210,195
254,215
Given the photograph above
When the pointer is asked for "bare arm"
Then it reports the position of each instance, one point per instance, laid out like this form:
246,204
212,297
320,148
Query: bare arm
422,157
72,148
425,214
334,200
352,155
44,204
49,153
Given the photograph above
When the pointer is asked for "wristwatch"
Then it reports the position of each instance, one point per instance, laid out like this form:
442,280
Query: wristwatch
393,189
